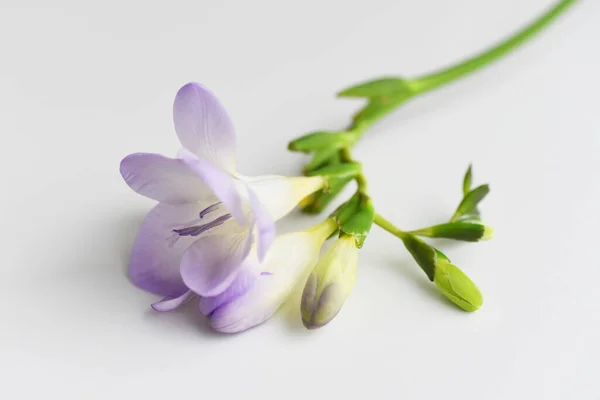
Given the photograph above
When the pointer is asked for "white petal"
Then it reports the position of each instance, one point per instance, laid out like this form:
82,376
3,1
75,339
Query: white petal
279,194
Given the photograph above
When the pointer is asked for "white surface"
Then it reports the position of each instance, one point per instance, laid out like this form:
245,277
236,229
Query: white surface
84,83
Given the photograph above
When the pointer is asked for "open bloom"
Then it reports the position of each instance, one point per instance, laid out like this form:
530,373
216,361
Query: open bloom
262,287
330,283
196,239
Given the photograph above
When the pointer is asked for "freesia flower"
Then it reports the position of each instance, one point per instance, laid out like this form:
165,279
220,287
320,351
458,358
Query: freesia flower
261,288
330,283
208,217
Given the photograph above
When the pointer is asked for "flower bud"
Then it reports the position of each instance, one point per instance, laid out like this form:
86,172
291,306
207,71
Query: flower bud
457,286
472,230
330,283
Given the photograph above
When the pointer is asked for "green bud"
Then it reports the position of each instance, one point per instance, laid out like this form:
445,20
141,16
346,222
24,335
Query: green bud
321,141
469,231
453,283
345,170
330,283
457,286
376,88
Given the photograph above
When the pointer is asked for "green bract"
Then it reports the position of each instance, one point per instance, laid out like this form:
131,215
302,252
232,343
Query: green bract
345,170
424,254
322,141
468,180
376,88
355,217
468,206
322,158
377,108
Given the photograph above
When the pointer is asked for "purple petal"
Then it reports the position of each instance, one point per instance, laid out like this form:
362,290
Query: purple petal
222,184
203,126
242,283
211,264
155,257
164,179
264,223
170,303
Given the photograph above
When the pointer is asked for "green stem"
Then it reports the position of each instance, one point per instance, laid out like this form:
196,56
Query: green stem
388,226
447,75
442,77
360,179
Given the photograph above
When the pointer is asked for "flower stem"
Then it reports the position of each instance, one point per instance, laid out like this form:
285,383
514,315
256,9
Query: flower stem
388,226
447,75
442,77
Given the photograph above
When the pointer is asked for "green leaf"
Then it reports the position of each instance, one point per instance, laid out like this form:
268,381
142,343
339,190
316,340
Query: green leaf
322,198
424,254
345,170
468,180
359,223
468,205
322,158
321,141
377,108
468,231
376,88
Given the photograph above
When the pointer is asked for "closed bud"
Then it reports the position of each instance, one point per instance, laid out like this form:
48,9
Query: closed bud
457,286
472,230
330,283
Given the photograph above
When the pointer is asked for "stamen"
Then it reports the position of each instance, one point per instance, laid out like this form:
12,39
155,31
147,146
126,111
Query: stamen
199,229
209,209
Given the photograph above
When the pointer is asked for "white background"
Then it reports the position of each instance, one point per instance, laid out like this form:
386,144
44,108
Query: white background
84,83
